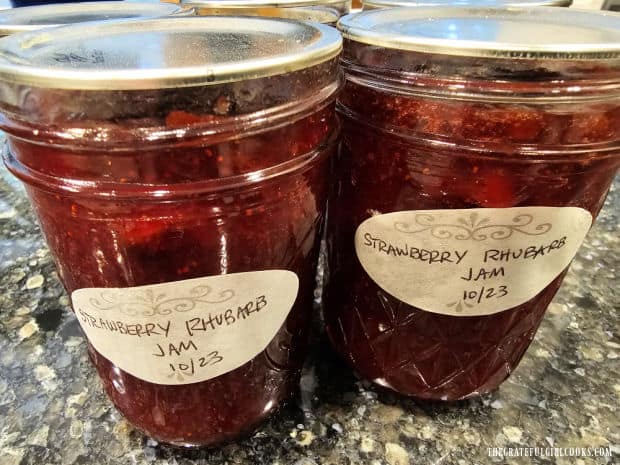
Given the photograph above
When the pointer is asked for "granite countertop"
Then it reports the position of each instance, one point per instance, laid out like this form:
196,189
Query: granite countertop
565,393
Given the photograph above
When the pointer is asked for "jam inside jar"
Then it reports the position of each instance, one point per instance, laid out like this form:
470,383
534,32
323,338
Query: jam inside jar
470,146
183,204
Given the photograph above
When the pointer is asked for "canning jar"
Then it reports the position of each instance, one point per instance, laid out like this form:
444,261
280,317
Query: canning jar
478,146
376,4
31,18
320,11
181,188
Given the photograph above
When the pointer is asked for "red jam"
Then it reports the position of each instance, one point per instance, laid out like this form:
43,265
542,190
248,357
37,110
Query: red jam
270,225
136,241
143,187
411,148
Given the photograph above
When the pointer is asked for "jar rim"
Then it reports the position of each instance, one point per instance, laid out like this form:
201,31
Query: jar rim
505,33
32,18
128,138
579,89
376,4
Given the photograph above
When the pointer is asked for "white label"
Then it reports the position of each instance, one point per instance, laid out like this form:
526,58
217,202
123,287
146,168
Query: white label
187,331
473,261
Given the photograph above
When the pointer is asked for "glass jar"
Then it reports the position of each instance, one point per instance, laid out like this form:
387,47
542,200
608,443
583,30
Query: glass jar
32,18
320,11
181,188
376,4
478,146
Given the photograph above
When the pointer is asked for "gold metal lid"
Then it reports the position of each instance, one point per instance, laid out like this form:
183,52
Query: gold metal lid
32,18
322,11
515,33
249,4
374,4
164,52
320,14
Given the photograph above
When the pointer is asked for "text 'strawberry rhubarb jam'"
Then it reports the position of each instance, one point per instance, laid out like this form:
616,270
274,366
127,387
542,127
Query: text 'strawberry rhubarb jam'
478,145
179,171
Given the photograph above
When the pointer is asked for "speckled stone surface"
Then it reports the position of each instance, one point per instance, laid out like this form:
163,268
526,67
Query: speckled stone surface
565,393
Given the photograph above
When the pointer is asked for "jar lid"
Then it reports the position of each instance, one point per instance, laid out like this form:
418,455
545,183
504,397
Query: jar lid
321,11
374,4
321,14
241,4
172,52
516,33
31,18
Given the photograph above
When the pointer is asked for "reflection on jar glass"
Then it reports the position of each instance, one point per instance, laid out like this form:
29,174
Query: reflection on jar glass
477,148
183,204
